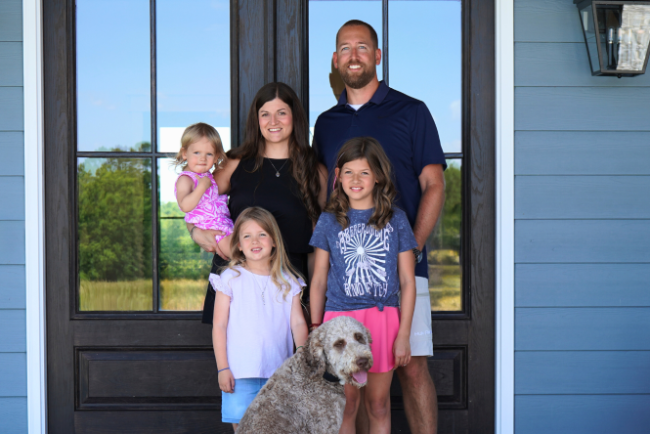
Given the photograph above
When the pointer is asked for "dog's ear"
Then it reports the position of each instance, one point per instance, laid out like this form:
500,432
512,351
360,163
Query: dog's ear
314,354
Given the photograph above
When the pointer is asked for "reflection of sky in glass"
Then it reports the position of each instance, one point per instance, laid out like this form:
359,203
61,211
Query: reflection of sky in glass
426,60
193,66
325,19
425,55
113,74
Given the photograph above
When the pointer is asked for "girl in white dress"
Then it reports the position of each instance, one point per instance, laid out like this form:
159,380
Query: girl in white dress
257,310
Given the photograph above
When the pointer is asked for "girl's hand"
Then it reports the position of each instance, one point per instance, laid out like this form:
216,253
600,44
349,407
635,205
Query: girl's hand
226,381
402,351
204,183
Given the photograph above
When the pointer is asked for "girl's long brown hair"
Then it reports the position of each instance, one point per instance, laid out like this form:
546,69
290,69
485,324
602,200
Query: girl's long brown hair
384,192
281,268
304,165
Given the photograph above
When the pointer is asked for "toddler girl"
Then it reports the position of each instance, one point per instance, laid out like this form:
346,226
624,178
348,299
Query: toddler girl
256,311
363,259
196,191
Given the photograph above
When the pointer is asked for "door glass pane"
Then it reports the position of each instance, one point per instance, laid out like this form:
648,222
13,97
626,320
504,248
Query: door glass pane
193,68
425,40
325,19
113,75
444,246
114,203
184,267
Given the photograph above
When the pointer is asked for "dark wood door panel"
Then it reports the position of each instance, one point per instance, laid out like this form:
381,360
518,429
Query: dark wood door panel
150,422
145,333
147,379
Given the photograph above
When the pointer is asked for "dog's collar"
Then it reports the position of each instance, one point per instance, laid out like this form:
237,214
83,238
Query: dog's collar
331,378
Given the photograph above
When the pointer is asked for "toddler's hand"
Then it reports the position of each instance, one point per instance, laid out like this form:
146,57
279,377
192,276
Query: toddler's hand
205,183
402,351
226,381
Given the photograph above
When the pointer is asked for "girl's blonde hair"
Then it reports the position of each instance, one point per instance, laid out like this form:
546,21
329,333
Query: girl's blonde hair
196,132
384,191
281,268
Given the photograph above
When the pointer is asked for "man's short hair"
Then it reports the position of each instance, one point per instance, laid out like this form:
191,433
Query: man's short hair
373,34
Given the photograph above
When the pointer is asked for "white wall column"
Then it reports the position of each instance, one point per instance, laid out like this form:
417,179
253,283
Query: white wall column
34,217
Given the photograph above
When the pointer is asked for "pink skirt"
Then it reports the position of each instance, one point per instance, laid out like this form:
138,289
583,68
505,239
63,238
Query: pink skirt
383,328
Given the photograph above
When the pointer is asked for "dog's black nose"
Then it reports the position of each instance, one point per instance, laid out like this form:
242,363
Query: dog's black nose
362,362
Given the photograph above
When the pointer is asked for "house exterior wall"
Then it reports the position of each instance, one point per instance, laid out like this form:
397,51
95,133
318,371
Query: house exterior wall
13,373
582,233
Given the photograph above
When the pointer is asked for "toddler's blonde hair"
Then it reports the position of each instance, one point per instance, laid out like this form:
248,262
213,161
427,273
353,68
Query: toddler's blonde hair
196,132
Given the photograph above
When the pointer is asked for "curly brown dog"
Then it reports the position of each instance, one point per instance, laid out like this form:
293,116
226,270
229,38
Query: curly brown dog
305,394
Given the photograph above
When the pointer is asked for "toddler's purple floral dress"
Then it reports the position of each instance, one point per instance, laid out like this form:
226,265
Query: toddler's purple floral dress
212,211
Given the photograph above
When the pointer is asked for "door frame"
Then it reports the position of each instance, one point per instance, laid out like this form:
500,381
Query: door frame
35,216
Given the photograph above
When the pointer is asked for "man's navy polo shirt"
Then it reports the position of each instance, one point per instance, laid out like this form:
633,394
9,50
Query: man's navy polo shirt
404,127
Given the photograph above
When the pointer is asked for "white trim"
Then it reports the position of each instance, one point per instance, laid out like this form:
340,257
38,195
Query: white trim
505,219
34,218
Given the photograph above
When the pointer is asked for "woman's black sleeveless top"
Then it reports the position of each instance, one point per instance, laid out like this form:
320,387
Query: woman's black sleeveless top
278,195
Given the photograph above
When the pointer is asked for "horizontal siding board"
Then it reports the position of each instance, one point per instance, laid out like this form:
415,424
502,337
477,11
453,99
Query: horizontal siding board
12,287
547,21
12,198
575,197
582,372
582,414
582,108
13,415
12,150
12,240
562,64
582,241
11,21
584,329
11,109
11,64
12,324
582,153
582,285
13,374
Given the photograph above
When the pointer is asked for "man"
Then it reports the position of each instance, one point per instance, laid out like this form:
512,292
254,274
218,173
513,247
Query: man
405,128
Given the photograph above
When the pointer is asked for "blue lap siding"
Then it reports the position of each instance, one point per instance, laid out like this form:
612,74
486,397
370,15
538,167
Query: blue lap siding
13,366
582,233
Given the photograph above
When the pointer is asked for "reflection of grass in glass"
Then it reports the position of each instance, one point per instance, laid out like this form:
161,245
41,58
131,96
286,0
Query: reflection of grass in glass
180,294
444,287
125,295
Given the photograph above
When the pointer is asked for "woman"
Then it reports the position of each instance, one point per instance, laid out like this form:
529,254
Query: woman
276,169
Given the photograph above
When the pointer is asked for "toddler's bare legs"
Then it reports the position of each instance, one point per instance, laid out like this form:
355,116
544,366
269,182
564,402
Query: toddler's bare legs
223,247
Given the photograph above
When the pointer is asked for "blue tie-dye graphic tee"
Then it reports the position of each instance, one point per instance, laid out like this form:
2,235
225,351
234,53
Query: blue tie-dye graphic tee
363,260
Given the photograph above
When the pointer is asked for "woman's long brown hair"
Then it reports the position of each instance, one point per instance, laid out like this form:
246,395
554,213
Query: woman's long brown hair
304,165
384,192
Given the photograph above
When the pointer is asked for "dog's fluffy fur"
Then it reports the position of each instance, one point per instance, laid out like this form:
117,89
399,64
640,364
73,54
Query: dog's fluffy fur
297,399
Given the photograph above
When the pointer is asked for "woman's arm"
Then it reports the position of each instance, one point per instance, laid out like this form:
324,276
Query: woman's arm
406,270
298,324
187,196
318,287
219,333
222,177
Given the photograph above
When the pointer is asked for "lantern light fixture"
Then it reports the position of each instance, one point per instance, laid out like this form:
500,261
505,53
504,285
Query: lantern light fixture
617,35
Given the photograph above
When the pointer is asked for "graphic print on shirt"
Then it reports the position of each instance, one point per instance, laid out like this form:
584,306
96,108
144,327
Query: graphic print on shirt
364,250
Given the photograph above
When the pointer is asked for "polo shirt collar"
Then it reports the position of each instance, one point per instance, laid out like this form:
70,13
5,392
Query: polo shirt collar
377,98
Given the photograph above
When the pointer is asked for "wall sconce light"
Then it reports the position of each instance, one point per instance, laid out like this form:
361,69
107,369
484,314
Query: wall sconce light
617,34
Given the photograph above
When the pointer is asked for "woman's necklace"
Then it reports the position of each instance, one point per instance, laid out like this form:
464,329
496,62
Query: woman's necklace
263,290
277,172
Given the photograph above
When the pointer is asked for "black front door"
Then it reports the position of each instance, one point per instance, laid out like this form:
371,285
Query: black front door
126,350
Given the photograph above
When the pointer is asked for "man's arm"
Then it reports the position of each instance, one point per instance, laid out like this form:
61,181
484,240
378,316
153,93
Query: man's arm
432,183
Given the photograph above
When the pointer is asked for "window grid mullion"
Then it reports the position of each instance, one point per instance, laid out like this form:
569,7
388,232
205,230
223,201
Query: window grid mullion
384,35
154,159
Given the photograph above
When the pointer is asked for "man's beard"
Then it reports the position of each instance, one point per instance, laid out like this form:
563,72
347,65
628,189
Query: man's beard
356,81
